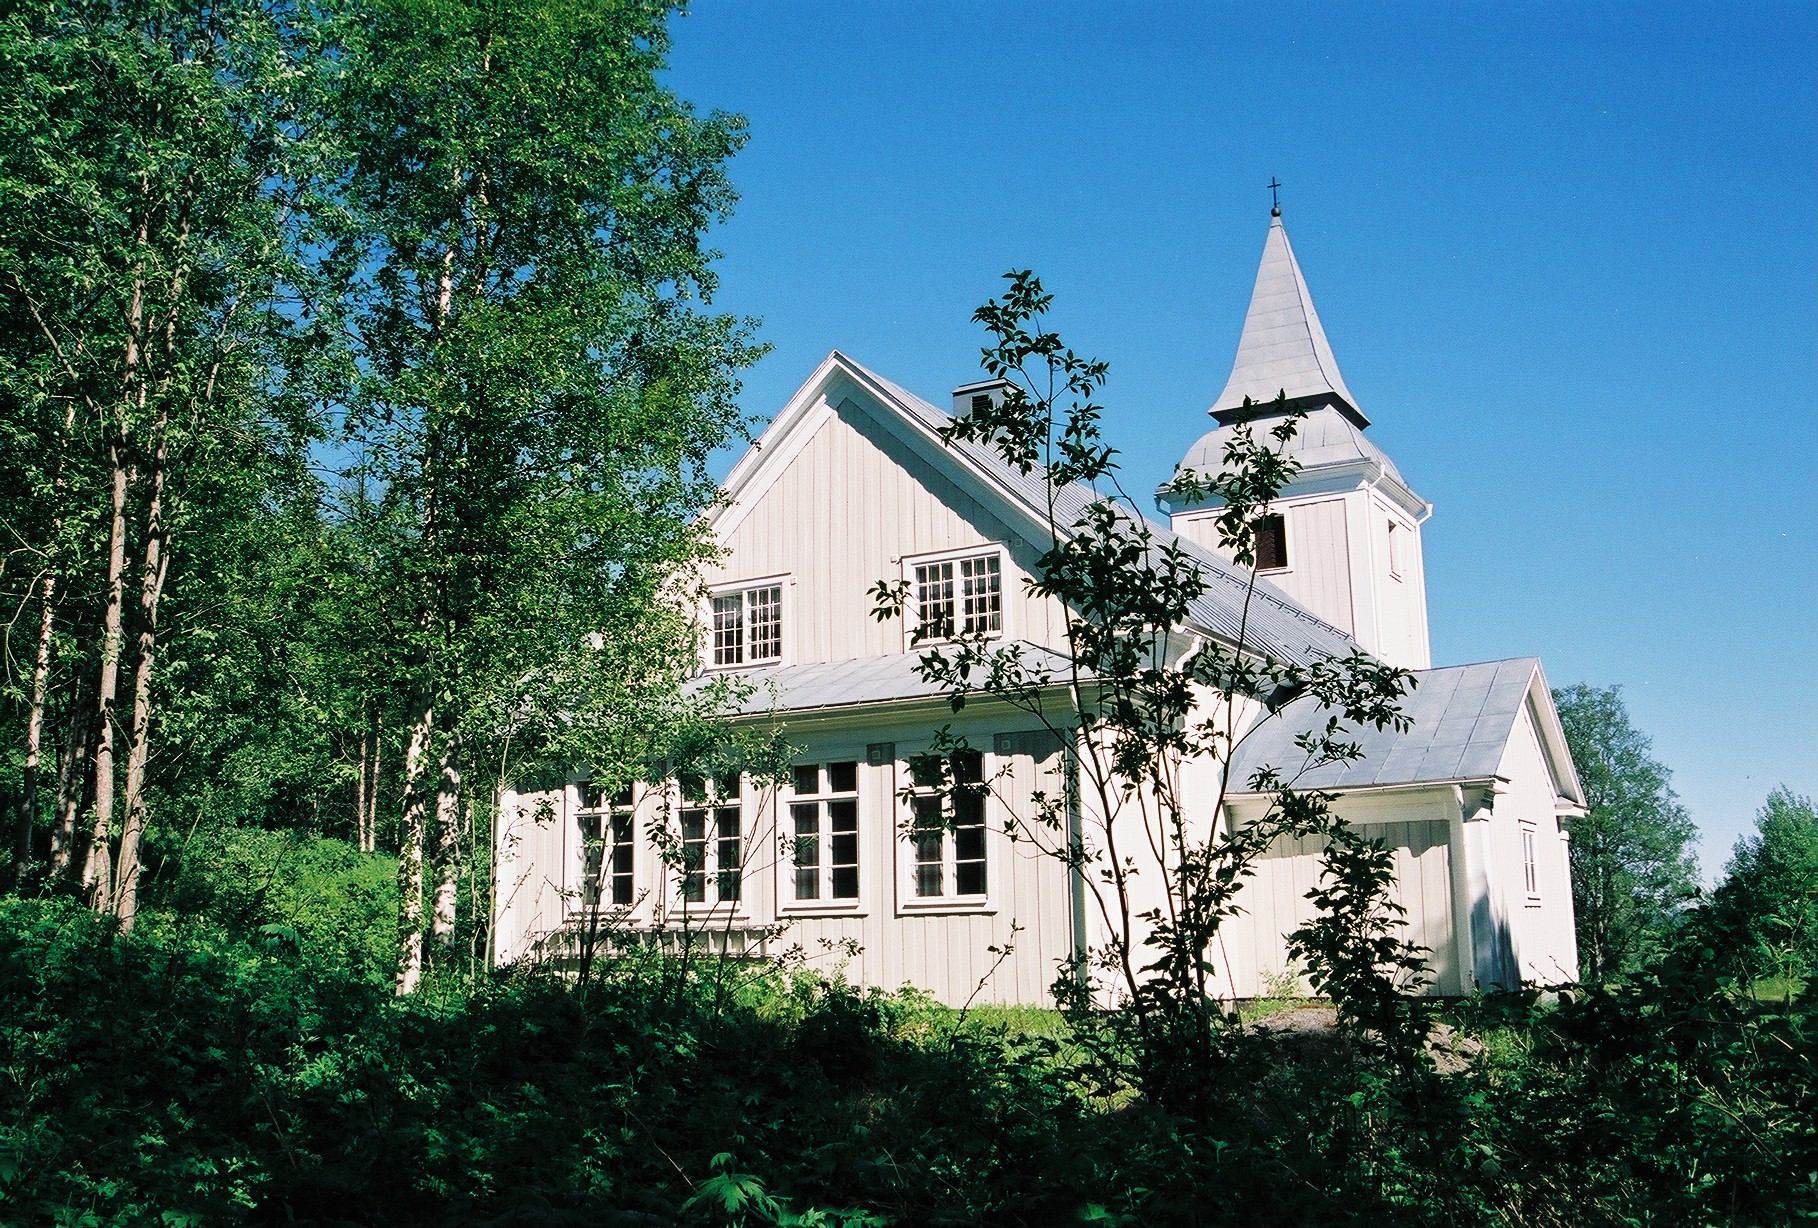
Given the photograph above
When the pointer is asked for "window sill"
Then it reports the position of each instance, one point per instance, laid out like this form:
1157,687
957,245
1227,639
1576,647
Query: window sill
823,908
708,915
915,645
766,663
946,905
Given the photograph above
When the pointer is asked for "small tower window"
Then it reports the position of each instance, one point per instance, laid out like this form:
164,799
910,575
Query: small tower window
1397,548
1271,542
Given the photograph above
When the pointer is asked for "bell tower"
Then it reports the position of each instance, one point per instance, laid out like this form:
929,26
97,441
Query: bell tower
1343,539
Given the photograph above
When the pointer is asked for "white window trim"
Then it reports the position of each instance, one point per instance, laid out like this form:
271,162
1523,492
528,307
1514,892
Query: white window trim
604,876
1398,564
911,612
1530,856
675,908
908,903
785,611
784,880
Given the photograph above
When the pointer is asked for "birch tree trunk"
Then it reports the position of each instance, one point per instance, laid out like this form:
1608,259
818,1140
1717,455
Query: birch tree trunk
97,873
151,590
448,843
410,854
362,756
72,777
24,821
370,841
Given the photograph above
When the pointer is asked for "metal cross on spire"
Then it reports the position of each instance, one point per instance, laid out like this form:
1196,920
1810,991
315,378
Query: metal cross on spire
1274,196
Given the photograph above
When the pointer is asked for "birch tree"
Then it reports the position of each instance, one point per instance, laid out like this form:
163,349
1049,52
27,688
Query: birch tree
537,384
151,157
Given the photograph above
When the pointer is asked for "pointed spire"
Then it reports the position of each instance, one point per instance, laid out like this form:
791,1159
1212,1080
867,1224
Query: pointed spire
1283,347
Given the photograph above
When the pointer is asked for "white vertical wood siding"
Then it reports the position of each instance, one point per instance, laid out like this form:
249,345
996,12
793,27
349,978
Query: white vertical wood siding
848,509
1545,946
1318,574
1415,825
1401,600
533,869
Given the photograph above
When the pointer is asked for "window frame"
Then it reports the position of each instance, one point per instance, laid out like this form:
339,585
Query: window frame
1530,860
787,904
991,855
713,805
743,589
601,847
912,621
1397,550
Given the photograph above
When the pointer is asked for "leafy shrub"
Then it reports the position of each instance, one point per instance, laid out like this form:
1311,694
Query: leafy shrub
187,1076
337,905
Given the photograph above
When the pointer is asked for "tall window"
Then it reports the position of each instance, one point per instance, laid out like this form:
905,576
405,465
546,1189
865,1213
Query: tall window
1530,863
824,816
947,825
1271,542
959,596
1397,547
713,844
607,835
748,625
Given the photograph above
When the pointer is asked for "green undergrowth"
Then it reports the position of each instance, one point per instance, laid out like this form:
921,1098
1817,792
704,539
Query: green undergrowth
189,1076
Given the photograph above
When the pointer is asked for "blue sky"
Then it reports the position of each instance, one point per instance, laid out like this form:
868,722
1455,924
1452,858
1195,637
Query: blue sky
1566,255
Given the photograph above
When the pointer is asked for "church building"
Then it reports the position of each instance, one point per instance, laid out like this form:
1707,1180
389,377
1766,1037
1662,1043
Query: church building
851,484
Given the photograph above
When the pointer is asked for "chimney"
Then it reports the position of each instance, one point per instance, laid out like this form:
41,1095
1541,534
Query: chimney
970,398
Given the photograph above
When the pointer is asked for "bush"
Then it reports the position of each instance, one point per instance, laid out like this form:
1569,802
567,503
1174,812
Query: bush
336,905
186,1076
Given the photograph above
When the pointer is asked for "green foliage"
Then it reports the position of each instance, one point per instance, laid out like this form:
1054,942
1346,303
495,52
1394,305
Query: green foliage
1765,912
1632,866
333,904
264,1086
1353,947
1139,693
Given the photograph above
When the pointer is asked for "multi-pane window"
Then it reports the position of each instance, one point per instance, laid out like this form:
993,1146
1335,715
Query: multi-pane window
713,844
1271,534
947,825
959,597
824,839
748,625
1530,862
608,847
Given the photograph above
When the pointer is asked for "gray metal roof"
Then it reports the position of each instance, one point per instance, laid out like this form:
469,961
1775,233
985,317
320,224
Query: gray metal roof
845,684
1462,718
1273,622
1326,437
1283,348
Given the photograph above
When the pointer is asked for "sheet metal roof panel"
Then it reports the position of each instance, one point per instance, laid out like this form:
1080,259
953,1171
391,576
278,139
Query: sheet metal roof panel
1274,623
1283,347
843,684
1462,717
1325,438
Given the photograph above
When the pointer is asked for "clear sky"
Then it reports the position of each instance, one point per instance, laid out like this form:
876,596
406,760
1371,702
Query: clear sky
1566,255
